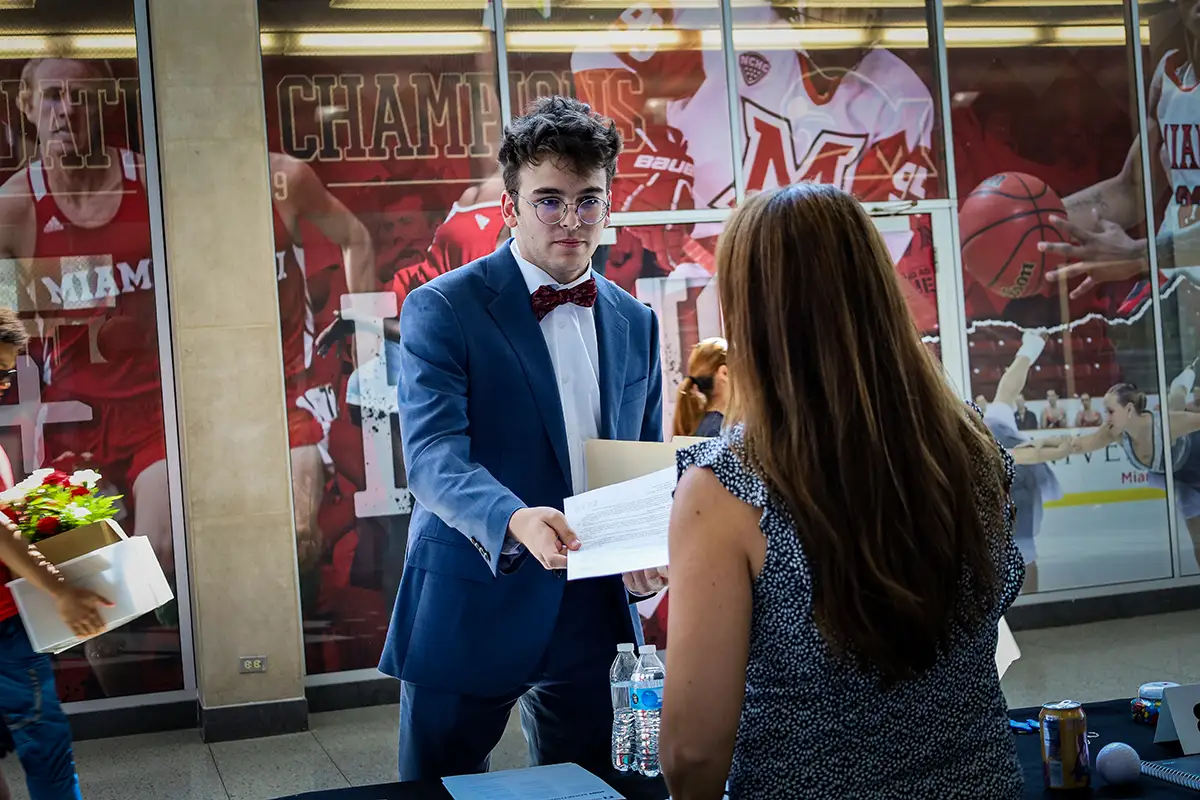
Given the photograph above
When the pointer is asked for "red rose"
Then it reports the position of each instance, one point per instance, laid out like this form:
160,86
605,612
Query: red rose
57,478
48,526
10,513
79,491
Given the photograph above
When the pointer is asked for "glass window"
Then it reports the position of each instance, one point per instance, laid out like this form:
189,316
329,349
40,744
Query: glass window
76,232
658,71
382,128
1044,129
836,92
1171,32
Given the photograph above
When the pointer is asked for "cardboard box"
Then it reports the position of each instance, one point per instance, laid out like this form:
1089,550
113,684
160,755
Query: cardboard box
125,573
63,547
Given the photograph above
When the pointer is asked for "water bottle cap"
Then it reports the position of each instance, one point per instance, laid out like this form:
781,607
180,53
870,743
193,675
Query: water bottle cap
625,648
647,649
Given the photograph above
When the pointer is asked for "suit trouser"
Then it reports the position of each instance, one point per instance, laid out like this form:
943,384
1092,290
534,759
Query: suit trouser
566,705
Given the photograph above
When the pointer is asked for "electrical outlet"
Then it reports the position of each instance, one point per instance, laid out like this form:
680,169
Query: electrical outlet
248,664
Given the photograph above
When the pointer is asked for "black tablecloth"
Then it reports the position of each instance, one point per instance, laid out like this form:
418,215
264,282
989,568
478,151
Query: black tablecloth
1110,720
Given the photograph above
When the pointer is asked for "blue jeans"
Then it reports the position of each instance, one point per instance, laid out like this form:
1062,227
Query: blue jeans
29,703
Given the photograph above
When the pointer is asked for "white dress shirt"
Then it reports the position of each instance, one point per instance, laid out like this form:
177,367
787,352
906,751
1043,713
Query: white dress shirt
570,334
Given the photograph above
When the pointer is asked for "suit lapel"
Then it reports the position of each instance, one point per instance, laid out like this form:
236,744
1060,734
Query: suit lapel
612,339
511,310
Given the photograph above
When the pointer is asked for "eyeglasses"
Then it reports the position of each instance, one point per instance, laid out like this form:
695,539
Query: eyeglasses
553,210
7,377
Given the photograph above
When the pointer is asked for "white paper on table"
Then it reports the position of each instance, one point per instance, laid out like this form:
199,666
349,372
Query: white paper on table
1006,649
556,782
622,527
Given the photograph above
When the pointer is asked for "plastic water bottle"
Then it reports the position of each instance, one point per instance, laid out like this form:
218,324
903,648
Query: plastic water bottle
646,701
620,679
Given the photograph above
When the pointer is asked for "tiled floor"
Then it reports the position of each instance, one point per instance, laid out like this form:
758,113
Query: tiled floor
1087,663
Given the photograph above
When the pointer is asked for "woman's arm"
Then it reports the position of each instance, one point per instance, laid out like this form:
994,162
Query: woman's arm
709,632
79,608
1096,440
1183,423
1041,450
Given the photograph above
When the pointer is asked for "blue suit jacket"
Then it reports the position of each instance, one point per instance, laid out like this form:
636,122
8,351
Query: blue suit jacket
483,432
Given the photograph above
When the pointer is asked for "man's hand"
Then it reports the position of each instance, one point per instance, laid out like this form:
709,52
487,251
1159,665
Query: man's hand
80,609
1104,255
545,534
646,581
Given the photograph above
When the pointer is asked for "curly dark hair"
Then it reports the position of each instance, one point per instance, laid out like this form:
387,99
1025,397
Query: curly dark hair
12,331
559,128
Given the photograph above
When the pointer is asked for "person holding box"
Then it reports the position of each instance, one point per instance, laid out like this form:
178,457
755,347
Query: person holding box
28,698
508,365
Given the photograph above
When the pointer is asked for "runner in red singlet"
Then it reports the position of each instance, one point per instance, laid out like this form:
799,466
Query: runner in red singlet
297,194
76,219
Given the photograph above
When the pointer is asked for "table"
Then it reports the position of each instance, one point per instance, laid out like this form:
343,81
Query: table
1110,720
633,789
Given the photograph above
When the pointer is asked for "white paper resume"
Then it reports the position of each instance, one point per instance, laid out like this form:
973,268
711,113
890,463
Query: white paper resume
622,527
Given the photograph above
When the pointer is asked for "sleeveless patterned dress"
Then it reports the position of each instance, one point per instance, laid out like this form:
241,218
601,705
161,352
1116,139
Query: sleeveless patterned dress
815,727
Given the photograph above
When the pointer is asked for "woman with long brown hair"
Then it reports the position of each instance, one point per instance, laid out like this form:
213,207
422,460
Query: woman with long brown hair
704,393
841,557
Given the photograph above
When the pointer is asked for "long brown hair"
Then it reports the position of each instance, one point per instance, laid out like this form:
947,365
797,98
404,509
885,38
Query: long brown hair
696,391
851,424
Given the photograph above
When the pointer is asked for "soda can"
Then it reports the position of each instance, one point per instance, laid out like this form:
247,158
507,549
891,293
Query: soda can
1065,761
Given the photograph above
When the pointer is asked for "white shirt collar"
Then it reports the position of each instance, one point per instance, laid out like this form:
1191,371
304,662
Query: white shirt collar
536,277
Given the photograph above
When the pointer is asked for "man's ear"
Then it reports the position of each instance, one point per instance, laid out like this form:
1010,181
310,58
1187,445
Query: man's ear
508,210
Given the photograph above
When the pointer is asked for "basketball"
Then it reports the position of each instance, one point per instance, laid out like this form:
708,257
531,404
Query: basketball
1000,224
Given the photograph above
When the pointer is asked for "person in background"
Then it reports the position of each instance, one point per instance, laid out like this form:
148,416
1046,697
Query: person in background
843,553
28,697
1026,419
1138,429
704,393
1087,417
1034,483
1053,415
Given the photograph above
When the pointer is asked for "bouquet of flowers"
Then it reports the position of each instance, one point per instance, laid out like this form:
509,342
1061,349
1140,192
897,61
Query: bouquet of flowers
50,502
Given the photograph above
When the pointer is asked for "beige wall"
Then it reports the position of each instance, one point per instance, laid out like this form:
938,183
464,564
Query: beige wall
228,363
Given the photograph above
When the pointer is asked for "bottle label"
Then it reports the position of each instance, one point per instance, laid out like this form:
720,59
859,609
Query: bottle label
647,697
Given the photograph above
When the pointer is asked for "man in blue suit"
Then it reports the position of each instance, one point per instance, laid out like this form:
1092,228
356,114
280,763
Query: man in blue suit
508,365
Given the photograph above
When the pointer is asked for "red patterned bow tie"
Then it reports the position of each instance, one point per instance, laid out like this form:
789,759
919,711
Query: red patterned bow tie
546,299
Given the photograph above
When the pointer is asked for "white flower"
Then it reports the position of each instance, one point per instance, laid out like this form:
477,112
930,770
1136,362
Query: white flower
78,512
86,477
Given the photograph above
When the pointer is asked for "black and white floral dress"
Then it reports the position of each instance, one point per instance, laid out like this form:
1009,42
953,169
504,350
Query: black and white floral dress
814,727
